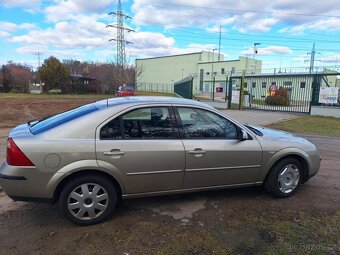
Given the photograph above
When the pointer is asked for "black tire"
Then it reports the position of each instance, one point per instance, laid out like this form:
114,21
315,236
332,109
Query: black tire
272,183
89,180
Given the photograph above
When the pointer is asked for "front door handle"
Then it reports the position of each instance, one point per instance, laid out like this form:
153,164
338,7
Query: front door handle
114,152
197,151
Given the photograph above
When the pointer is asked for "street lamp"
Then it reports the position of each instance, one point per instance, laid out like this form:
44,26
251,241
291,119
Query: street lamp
253,72
212,75
254,53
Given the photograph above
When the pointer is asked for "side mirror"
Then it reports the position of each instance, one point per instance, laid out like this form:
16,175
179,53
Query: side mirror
244,135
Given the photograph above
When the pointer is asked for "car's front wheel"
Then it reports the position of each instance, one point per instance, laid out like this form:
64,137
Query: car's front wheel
88,199
284,178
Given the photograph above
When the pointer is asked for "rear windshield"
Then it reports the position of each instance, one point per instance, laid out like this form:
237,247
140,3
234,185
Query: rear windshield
126,89
49,123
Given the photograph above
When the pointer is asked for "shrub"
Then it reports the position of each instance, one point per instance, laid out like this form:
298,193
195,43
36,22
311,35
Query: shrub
279,98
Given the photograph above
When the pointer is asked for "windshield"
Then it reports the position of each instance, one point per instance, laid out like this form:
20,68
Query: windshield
48,123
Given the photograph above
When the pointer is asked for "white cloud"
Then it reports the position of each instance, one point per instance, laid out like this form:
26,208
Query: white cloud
49,51
19,3
8,26
28,26
12,27
267,51
4,34
300,59
329,24
244,16
330,59
31,49
68,34
65,10
31,6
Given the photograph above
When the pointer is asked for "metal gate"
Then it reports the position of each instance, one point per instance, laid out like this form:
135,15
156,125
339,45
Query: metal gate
183,88
280,92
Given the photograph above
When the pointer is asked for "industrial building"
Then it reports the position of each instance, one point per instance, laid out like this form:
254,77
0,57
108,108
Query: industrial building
208,69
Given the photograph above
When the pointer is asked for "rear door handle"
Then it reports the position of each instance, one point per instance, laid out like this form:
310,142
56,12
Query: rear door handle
113,152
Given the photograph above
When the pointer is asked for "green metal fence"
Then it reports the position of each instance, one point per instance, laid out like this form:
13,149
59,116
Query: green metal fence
184,88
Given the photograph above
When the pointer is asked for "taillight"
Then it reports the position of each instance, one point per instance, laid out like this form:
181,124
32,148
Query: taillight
15,157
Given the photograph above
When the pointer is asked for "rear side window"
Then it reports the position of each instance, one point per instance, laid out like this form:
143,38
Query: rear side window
61,118
143,123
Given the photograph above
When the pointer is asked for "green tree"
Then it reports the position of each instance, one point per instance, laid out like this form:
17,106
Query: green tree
54,74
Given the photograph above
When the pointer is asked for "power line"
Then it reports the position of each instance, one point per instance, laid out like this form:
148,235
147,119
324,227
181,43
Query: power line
275,38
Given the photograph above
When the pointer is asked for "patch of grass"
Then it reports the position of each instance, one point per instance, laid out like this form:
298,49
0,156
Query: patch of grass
311,125
283,232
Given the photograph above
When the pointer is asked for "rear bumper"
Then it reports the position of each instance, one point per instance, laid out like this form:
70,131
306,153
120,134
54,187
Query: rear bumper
13,178
24,183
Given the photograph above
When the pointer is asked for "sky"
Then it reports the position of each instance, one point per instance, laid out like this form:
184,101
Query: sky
76,29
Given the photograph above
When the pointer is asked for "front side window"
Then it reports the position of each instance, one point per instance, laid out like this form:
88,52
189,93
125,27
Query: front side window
203,124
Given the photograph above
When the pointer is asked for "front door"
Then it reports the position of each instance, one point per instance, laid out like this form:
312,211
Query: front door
143,146
214,154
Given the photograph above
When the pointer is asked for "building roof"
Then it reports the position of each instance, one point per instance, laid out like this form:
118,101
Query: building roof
80,76
168,56
290,74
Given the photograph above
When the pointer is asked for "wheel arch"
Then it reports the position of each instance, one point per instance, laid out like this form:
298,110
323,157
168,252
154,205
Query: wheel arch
299,157
73,175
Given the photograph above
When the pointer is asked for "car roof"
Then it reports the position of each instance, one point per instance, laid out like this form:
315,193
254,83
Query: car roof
135,100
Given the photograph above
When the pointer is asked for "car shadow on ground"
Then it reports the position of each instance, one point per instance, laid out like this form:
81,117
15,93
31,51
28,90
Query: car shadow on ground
177,206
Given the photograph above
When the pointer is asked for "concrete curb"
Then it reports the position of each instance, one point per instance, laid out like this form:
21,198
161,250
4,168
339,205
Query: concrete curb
279,121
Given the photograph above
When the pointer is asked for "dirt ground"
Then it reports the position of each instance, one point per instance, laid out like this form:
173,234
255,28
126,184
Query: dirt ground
235,221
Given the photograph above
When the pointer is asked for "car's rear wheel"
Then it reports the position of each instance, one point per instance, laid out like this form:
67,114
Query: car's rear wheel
88,199
284,178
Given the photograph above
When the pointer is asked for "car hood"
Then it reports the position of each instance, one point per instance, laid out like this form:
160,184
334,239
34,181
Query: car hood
280,136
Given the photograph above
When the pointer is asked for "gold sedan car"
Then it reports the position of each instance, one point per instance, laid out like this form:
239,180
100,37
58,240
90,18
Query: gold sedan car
90,157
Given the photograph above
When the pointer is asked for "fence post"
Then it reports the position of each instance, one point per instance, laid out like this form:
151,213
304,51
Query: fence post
226,89
241,93
230,92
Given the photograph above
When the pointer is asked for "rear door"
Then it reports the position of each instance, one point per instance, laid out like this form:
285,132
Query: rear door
214,154
143,145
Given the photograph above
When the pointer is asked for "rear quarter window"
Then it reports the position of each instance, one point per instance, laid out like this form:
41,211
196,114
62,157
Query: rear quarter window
62,118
